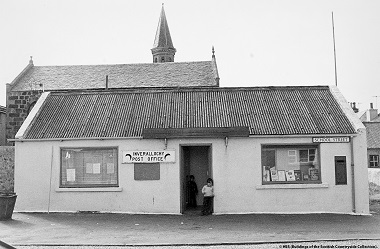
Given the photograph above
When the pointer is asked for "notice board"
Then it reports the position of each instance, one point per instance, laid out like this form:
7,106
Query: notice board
147,171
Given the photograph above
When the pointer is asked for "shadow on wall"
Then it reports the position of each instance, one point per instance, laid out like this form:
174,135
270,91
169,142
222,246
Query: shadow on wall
7,165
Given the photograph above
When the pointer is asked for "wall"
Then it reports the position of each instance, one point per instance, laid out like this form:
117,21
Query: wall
236,172
7,164
3,122
18,105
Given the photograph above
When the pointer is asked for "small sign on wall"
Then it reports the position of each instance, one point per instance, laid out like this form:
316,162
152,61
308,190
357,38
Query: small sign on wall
331,139
162,156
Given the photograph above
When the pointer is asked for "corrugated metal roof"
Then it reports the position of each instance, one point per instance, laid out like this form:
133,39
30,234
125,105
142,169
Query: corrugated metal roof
170,74
373,134
265,110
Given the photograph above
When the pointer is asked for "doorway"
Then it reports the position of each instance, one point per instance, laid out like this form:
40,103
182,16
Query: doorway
195,161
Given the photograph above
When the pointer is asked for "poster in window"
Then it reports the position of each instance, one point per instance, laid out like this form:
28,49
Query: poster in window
273,175
292,156
266,174
89,168
281,175
96,168
290,175
110,168
313,174
297,175
305,177
70,175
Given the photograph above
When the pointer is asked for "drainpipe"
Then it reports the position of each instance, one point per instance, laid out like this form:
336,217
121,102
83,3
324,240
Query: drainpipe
352,174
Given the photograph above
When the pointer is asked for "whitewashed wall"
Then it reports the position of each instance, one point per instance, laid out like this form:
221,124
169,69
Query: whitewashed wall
236,171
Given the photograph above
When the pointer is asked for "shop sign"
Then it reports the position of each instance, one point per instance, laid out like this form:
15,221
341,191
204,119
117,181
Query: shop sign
144,156
331,139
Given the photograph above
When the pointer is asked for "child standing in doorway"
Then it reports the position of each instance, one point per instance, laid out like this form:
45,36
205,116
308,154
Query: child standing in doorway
193,191
208,195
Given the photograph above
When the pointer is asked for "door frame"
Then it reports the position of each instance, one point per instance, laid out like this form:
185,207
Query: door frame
182,169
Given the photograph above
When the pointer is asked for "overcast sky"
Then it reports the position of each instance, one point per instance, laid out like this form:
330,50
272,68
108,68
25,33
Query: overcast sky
257,42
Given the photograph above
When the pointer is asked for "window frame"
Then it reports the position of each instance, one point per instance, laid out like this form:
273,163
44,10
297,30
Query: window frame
376,162
116,167
293,147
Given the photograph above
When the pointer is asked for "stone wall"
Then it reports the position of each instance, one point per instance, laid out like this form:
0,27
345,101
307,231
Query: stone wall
7,164
19,105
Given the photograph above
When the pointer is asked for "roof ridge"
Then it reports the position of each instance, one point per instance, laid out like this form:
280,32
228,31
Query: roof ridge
124,64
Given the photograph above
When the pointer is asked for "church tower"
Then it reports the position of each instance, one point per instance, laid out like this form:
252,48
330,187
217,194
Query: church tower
163,49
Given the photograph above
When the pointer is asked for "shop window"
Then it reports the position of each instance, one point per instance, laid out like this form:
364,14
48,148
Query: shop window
147,171
374,161
290,164
89,167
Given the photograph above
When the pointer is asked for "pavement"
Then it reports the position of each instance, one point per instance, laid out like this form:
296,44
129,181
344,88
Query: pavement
97,229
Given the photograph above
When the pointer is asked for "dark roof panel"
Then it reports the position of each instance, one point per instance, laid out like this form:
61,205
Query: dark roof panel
266,111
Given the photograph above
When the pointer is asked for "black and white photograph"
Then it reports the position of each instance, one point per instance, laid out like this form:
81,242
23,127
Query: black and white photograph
189,124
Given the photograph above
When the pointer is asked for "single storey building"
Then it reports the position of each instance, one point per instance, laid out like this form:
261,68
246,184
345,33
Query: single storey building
268,149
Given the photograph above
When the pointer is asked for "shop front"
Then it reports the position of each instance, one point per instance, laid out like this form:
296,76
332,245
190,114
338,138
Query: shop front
131,162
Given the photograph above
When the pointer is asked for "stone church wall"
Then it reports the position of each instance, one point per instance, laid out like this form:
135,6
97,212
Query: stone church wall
19,105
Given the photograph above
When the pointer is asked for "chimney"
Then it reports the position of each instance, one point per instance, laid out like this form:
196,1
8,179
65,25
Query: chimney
353,106
106,82
371,113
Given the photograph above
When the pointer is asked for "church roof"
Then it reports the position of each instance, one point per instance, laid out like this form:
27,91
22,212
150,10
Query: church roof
173,74
128,112
163,38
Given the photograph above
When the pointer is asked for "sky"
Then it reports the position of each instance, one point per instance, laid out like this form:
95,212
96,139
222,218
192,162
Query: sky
257,42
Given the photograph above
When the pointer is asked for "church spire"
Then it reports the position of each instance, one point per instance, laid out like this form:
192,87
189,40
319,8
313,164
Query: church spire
163,49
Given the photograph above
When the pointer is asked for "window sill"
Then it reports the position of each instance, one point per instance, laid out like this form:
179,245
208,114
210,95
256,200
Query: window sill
292,186
114,189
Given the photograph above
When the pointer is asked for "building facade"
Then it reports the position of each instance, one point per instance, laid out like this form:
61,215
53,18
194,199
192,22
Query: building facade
268,149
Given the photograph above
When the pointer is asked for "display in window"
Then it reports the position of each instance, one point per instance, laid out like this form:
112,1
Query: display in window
266,176
281,175
297,175
70,175
288,164
273,175
89,167
313,173
290,175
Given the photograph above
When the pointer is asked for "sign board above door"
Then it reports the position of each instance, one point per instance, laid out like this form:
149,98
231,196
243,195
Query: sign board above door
144,156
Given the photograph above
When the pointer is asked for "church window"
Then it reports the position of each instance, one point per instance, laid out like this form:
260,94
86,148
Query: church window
162,59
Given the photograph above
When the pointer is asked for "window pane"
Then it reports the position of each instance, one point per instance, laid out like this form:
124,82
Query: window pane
304,156
374,161
89,167
281,165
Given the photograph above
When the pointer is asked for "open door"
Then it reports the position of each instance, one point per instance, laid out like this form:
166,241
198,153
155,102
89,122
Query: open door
195,161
